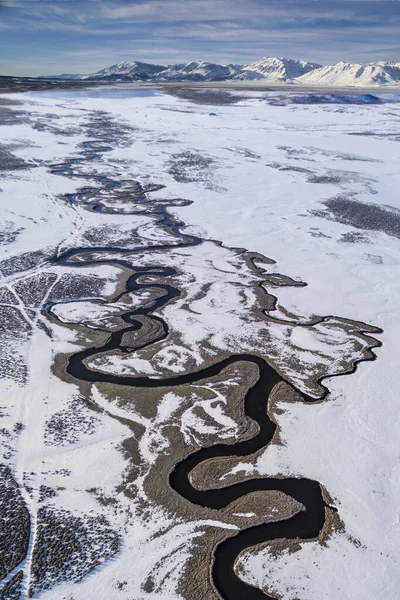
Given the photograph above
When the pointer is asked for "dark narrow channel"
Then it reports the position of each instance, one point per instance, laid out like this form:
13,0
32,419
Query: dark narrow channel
305,525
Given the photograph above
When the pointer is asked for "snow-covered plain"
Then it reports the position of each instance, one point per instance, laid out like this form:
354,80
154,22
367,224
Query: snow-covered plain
314,187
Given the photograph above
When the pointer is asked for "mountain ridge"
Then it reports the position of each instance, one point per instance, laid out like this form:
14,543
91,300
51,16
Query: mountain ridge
354,74
267,69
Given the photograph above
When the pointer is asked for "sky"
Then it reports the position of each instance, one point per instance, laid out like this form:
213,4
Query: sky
49,37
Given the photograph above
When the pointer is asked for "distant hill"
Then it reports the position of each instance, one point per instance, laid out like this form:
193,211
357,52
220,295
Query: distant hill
63,76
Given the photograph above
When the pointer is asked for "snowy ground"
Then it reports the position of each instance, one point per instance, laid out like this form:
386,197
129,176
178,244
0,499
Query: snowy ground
312,186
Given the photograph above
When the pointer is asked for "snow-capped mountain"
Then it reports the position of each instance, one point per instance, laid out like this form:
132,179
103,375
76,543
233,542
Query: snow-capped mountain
274,70
278,69
199,71
191,71
131,71
344,74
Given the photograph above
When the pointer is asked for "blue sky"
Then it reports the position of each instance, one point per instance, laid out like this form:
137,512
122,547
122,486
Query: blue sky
43,37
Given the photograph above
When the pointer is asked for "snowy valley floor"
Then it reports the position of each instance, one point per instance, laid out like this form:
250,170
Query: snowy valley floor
199,324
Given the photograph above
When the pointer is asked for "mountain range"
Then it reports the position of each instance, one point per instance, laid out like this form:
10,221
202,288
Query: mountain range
273,70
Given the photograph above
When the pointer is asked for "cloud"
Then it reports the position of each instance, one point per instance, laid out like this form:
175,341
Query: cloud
234,33
217,10
384,51
4,5
106,54
102,17
92,14
91,34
